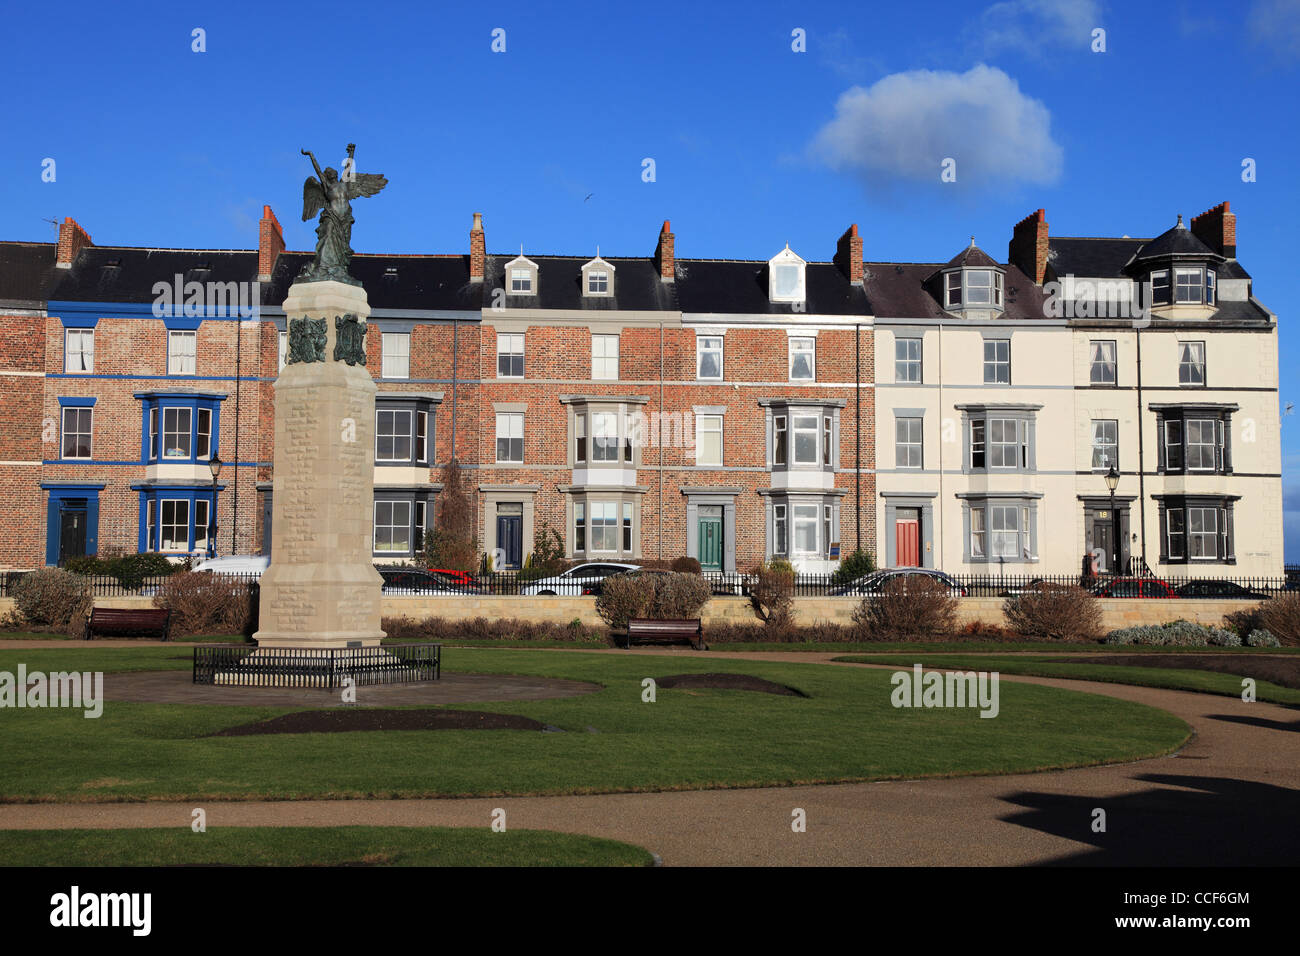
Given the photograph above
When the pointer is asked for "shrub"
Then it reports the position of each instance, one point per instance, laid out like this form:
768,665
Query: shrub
1243,622
547,558
130,570
1174,634
772,593
854,566
658,595
687,565
203,603
1280,616
920,607
451,544
444,630
53,597
1059,612
1258,638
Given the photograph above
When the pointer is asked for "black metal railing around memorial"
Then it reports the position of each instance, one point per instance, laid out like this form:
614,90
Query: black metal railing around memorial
309,667
1208,584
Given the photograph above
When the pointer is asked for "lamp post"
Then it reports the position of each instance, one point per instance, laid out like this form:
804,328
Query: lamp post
1112,482
215,465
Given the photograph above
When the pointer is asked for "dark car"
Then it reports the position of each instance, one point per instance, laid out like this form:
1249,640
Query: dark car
1135,588
1218,589
874,583
415,581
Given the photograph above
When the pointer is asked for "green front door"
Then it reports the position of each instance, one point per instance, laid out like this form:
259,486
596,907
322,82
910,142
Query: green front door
710,542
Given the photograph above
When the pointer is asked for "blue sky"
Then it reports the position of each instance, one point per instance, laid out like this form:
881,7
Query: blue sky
754,144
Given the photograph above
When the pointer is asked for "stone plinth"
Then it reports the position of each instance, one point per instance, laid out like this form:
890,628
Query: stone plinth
321,589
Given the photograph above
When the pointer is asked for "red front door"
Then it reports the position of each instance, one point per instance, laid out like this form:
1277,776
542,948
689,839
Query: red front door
907,531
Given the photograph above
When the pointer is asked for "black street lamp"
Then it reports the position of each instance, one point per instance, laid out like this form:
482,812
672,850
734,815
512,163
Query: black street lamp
215,465
1112,482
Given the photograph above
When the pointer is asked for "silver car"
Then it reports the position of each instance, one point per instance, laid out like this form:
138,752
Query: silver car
584,579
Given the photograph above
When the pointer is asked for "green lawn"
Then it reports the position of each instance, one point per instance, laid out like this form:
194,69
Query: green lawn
313,846
845,730
1207,682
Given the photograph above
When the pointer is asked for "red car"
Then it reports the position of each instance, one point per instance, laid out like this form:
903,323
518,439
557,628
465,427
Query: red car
458,579
1135,588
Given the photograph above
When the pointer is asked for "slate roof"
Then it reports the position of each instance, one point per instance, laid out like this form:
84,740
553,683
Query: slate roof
907,290
973,256
637,286
25,271
1178,241
740,286
433,282
1094,258
128,274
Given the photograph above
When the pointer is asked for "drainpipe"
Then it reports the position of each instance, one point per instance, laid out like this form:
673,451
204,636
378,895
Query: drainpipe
857,453
660,440
1142,493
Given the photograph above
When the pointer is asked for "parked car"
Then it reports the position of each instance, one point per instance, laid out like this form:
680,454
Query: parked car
402,580
1219,589
1134,588
577,580
457,579
874,583
244,565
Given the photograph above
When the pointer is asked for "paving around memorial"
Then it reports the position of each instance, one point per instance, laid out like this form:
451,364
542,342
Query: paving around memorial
699,776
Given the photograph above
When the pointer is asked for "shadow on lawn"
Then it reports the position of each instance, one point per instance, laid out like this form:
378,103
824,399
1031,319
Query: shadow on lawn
1181,821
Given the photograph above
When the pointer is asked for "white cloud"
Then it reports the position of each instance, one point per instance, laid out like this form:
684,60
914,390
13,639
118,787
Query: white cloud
1029,26
1276,23
905,125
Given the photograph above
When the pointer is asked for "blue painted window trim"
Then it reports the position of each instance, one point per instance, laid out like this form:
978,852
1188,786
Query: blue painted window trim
58,492
191,400
79,321
159,493
77,401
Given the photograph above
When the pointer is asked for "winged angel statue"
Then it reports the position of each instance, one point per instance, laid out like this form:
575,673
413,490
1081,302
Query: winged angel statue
331,196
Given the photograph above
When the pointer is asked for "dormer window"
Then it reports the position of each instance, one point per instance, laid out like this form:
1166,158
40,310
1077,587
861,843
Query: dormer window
598,278
1190,285
521,276
786,277
973,289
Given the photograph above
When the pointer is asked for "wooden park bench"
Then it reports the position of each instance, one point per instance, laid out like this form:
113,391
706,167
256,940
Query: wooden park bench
129,622
644,631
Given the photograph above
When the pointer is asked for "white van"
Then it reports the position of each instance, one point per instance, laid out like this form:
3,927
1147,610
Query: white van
244,565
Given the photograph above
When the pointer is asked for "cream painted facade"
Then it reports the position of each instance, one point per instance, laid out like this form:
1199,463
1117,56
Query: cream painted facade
1067,429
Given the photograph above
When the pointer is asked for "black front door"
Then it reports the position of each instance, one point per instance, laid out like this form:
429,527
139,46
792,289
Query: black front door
72,530
1103,540
510,539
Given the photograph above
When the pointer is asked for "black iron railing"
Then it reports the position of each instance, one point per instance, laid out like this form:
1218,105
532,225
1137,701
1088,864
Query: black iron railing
310,667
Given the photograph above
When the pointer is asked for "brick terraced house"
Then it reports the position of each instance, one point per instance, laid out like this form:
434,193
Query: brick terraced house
659,406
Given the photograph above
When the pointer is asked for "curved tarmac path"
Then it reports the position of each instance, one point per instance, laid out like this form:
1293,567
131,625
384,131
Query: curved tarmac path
1229,797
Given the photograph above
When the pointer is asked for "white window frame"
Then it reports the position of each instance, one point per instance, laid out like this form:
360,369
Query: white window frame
605,444
184,523
1195,349
89,432
201,527
1018,444
604,365
1162,290
395,352
780,530
604,525
904,364
598,277
796,430
803,345
909,437
85,356
513,422
395,432
183,360
1109,349
202,438
802,521
708,425
952,291
701,349
521,280
1108,449
1005,531
1208,530
978,533
996,364
187,431
393,525
510,345
1178,537
1203,447
1192,280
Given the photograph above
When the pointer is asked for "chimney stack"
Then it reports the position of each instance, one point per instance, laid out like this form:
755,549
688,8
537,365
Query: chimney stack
477,249
1217,228
270,243
664,257
848,254
1028,247
71,239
